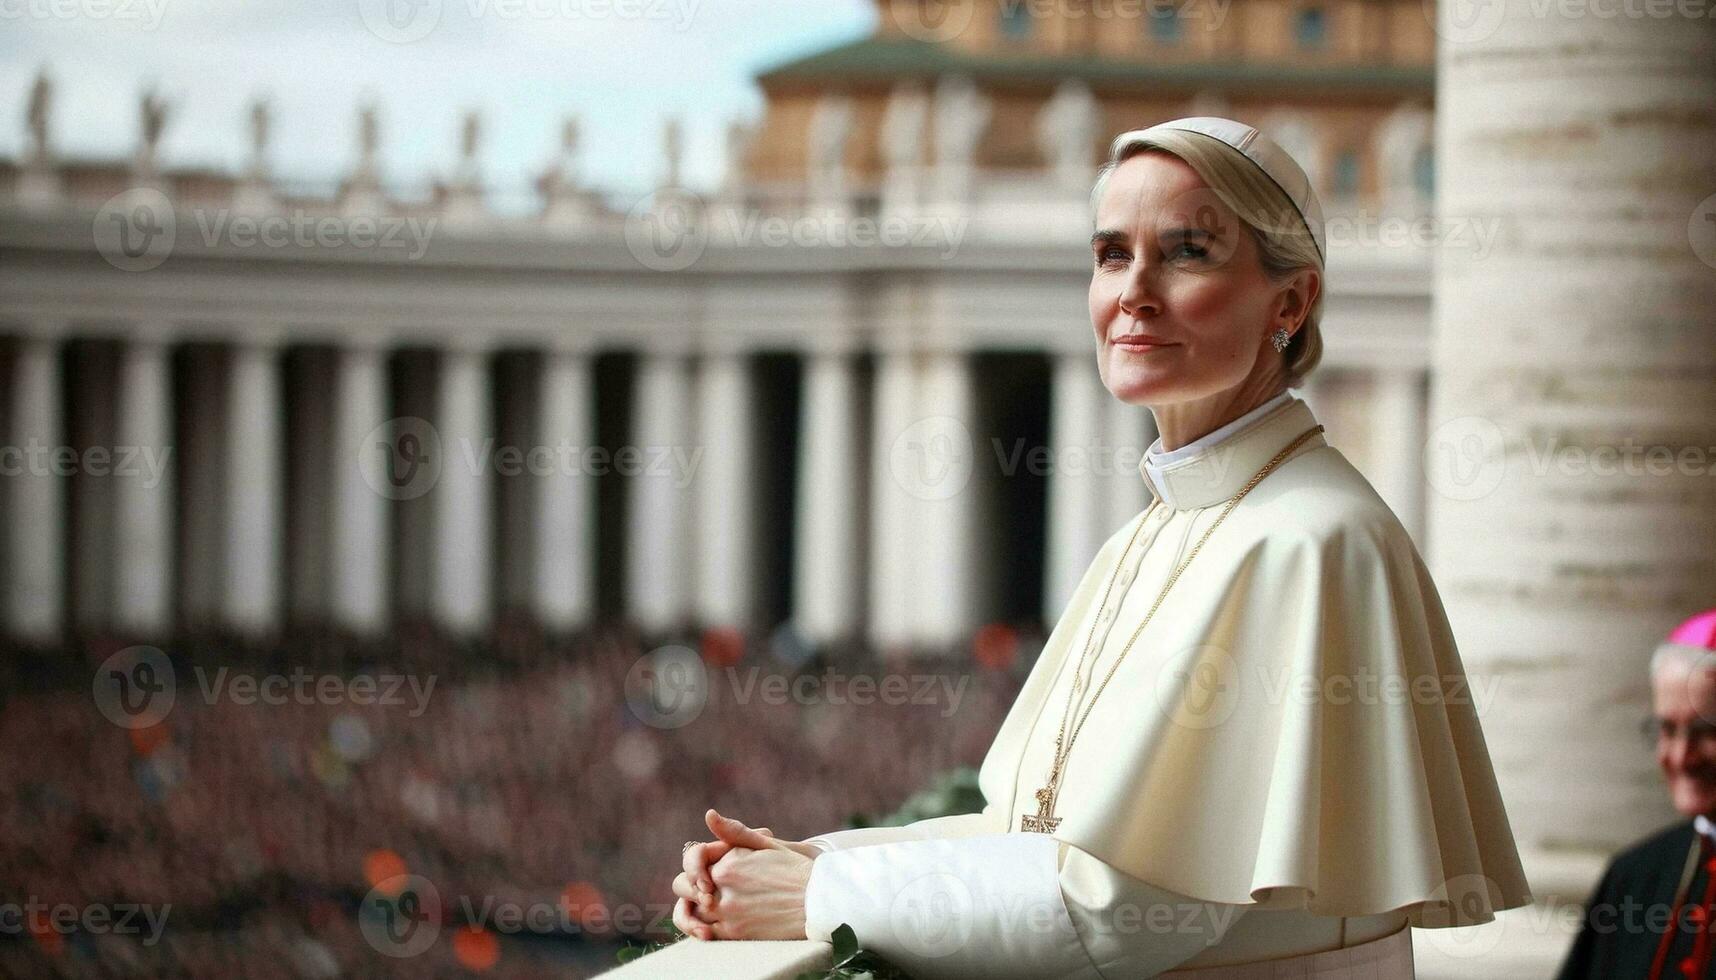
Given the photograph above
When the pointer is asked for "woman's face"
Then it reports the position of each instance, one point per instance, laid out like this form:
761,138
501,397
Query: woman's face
1174,267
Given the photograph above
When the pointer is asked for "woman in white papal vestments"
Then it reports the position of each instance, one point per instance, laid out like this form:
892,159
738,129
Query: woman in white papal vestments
1247,748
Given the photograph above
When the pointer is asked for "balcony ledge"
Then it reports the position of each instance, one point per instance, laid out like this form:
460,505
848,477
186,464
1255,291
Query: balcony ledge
762,960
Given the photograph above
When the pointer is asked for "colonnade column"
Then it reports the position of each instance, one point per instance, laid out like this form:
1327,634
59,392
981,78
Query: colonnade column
946,500
463,495
826,568
143,492
891,527
1569,528
658,579
254,486
1131,429
720,477
1398,407
1076,496
35,552
359,538
932,462
565,548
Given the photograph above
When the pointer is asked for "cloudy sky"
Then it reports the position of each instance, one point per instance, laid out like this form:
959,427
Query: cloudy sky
620,66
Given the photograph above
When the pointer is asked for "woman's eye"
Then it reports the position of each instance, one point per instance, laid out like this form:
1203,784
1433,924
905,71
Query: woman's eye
1182,249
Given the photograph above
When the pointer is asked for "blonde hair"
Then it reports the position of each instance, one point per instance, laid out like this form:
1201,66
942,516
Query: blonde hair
1284,243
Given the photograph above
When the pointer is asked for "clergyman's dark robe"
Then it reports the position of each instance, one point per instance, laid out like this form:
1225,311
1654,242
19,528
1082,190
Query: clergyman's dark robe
1630,910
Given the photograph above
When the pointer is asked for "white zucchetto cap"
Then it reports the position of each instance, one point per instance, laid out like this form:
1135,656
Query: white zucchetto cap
1269,158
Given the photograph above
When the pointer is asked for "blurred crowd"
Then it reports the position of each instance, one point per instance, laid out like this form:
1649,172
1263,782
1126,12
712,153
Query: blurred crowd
519,774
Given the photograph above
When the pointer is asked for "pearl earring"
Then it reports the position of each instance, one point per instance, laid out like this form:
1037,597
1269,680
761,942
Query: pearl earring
1279,339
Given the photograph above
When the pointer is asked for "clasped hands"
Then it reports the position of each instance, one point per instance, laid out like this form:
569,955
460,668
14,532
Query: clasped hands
745,884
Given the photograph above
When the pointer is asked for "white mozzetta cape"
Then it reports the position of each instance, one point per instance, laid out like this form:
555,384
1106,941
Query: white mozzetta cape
1294,728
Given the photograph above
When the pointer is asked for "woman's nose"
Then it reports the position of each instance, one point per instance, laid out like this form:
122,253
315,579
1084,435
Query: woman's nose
1138,296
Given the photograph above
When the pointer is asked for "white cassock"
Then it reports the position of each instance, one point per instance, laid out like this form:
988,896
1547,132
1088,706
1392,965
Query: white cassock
1288,765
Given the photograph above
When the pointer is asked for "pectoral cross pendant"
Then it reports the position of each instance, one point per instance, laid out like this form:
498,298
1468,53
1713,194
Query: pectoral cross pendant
1041,822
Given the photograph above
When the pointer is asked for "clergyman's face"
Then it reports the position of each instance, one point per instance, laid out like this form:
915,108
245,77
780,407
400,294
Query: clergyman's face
1172,263
1685,703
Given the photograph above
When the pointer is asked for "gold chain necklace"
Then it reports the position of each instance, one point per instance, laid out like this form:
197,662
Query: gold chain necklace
1044,821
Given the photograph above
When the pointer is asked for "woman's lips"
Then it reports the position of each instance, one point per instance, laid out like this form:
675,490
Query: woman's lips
1142,345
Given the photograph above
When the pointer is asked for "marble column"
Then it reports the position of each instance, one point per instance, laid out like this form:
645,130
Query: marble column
720,478
827,562
35,552
1131,430
1397,411
892,564
658,551
143,489
944,545
463,496
1076,492
359,538
565,582
254,486
1572,513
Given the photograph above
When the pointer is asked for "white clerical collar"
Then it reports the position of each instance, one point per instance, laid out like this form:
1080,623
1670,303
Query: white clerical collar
1702,824
1214,467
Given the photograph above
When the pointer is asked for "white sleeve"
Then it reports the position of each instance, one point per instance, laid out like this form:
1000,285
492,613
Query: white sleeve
841,840
958,825
987,906
1132,928
1005,905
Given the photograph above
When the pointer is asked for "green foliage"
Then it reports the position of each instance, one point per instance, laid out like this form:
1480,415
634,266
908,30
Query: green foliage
953,792
853,963
632,951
